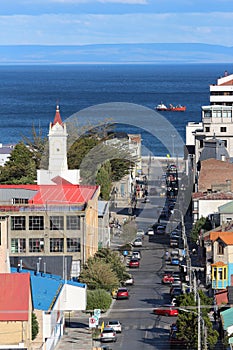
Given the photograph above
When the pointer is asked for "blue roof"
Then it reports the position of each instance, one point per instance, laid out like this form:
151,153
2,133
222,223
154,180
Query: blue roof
45,287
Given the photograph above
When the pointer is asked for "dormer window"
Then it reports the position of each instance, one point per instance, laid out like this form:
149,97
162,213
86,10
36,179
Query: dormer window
220,248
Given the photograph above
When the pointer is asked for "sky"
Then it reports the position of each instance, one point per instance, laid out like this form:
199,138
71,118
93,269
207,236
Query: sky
85,22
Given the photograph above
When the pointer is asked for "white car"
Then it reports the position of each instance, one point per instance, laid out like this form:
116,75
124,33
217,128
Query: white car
137,242
150,232
140,233
116,325
136,254
129,281
108,334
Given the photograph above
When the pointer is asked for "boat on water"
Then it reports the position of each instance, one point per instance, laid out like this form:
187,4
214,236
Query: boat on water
163,107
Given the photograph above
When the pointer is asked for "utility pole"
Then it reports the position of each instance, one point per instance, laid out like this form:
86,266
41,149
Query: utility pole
199,322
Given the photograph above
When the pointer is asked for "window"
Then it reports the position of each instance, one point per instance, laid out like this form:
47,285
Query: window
56,244
36,245
73,244
56,223
225,143
73,222
18,245
36,223
220,274
207,129
215,273
201,143
18,223
19,201
223,129
220,248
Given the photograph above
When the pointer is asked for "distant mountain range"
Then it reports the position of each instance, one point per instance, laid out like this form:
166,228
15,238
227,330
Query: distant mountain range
115,53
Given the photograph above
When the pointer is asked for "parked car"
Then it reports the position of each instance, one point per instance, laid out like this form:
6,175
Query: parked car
174,242
116,325
175,260
160,229
136,254
166,310
175,292
129,281
134,263
167,279
140,232
137,242
108,335
122,293
150,231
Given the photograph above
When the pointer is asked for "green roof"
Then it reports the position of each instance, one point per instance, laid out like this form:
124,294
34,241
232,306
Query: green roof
227,318
226,208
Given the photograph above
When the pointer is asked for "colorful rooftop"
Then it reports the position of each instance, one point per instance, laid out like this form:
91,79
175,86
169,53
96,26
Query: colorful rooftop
14,296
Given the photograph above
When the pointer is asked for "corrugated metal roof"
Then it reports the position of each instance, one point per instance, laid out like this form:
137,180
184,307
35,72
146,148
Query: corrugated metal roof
14,296
49,194
45,287
226,208
227,318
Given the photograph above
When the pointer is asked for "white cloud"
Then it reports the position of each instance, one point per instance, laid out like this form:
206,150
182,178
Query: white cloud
77,29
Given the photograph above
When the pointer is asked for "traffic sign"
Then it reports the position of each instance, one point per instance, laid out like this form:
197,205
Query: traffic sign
97,312
92,322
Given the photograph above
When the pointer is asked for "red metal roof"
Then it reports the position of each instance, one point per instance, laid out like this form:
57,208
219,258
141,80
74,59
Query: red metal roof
58,194
14,296
63,194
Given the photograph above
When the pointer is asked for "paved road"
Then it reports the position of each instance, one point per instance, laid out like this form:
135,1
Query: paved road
141,328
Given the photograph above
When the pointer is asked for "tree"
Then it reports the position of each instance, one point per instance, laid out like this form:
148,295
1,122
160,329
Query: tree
98,299
187,322
201,224
20,167
38,145
103,179
98,274
113,258
35,326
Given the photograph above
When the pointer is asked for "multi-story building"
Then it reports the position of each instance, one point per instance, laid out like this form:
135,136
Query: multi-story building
216,118
56,217
51,220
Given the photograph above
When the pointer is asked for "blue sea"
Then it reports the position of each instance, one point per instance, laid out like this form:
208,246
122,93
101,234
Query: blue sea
29,94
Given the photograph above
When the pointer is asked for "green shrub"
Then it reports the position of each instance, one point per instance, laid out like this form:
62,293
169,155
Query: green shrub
98,299
35,326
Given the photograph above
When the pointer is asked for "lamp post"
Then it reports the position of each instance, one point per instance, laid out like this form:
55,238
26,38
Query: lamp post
186,248
199,321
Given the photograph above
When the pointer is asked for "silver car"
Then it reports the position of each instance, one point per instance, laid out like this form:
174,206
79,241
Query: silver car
108,335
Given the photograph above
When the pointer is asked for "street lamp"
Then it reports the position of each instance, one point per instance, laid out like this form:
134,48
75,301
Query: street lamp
186,248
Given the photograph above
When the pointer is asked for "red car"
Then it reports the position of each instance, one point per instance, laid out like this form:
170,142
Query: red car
134,263
167,279
122,293
166,310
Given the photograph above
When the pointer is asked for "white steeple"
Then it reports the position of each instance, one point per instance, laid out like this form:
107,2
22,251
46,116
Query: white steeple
58,166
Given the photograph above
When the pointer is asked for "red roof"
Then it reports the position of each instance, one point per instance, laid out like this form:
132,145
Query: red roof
63,194
57,194
57,118
14,296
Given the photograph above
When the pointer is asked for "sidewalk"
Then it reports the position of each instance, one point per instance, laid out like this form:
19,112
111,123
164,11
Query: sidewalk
77,334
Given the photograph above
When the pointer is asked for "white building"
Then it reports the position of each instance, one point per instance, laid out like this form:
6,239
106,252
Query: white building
5,152
217,118
58,166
